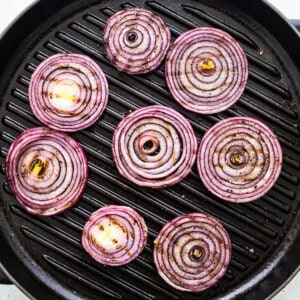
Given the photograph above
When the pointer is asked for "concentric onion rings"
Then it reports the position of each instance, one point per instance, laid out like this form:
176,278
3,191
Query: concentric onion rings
115,235
192,252
154,147
68,92
239,159
206,70
136,40
46,170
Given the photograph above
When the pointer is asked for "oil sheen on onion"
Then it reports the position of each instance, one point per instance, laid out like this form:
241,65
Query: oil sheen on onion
154,147
192,252
115,235
239,159
206,70
68,92
46,170
136,40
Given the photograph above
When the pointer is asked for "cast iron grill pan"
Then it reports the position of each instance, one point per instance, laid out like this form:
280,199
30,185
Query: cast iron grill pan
50,248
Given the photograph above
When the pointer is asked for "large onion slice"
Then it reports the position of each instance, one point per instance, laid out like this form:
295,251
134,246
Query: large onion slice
239,159
46,170
115,235
154,147
206,70
136,40
192,252
68,92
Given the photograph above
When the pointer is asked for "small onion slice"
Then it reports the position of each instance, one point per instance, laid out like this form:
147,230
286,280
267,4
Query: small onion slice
68,92
154,147
136,40
115,235
206,70
46,170
192,252
239,159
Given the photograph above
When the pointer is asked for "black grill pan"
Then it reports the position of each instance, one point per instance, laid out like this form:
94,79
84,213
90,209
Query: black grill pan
44,256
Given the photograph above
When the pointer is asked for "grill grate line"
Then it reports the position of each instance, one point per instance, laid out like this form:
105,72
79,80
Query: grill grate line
60,266
63,235
268,115
95,269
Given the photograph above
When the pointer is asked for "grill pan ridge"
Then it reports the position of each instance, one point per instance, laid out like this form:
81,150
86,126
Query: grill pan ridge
263,232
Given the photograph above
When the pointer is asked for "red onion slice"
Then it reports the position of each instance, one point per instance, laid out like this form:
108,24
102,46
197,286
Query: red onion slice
46,170
68,92
239,159
115,235
192,252
136,40
206,70
154,147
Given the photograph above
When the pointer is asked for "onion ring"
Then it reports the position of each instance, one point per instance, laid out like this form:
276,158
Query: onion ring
115,235
68,92
192,252
154,147
206,70
239,159
136,40
46,170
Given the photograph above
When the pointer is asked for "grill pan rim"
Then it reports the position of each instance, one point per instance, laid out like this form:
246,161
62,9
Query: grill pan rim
11,40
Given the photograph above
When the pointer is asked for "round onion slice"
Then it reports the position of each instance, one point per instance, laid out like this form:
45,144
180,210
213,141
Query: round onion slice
239,159
154,147
136,40
46,170
192,252
206,70
115,235
68,92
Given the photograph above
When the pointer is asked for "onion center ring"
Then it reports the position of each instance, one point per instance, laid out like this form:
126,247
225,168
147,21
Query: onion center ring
206,70
154,147
239,159
46,170
192,252
115,235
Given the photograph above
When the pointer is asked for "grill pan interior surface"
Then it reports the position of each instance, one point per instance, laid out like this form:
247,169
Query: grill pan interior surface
45,254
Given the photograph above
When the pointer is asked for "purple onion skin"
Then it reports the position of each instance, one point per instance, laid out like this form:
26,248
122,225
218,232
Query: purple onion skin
239,159
192,252
68,92
61,181
114,235
206,70
168,158
136,40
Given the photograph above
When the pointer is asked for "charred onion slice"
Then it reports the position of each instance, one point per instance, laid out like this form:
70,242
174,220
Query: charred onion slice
136,40
68,92
154,147
192,252
46,170
206,70
239,159
115,235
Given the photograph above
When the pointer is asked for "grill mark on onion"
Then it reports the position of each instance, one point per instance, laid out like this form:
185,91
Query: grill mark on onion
146,52
219,88
115,251
262,159
173,246
64,178
176,147
87,92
